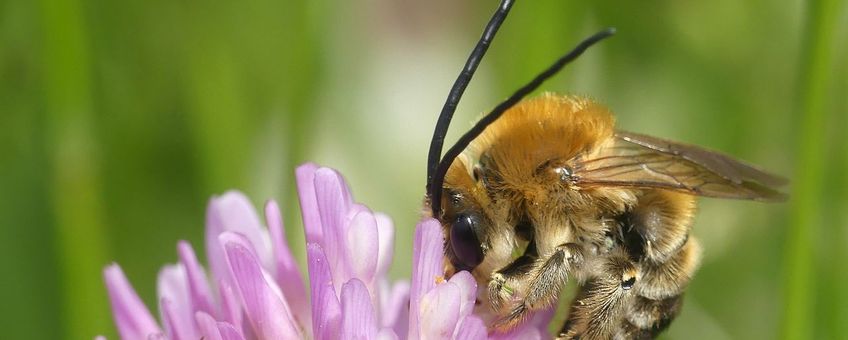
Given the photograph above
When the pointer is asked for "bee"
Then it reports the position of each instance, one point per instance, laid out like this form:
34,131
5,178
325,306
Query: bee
544,189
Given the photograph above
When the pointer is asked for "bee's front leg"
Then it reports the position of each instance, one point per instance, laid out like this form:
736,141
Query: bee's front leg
542,283
504,283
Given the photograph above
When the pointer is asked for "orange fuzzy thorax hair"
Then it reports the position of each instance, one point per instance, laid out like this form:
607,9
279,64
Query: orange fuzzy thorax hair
541,129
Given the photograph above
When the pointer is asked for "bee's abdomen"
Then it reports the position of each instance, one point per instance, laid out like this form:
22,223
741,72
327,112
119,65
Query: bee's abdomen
646,318
667,256
658,295
654,238
652,317
663,280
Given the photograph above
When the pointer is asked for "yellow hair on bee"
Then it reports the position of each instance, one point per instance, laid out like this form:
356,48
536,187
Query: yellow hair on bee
541,129
666,218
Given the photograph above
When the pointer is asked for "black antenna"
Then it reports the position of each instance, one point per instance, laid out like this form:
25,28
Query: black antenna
459,86
435,189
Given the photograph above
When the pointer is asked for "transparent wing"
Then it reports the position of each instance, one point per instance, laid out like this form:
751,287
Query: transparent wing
643,161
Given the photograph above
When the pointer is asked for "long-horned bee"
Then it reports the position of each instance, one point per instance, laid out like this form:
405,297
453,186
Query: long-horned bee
544,189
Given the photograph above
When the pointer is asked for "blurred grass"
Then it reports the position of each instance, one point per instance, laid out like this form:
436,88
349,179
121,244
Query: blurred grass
807,217
74,190
118,120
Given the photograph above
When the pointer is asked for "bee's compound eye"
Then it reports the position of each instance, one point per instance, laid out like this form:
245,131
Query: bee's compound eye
466,246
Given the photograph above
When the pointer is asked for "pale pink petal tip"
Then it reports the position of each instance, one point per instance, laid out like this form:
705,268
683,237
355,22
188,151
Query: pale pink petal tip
264,305
305,175
358,321
363,245
334,206
233,212
132,317
468,291
439,311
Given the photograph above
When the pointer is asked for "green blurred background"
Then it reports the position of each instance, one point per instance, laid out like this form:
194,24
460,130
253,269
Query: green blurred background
119,119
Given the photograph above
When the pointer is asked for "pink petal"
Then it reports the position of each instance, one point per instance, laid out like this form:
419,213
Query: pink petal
308,202
228,332
363,245
326,310
176,326
177,316
385,334
472,327
395,307
334,202
386,232
132,317
230,307
438,312
358,320
233,212
208,326
198,287
288,275
247,331
468,287
265,308
427,252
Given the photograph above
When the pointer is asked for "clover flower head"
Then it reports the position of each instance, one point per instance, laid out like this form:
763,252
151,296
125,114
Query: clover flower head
254,289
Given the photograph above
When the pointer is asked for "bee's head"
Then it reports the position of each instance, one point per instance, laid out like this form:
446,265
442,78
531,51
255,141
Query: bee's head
465,224
476,237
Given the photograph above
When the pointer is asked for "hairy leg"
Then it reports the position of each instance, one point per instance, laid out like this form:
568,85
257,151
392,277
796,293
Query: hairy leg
599,307
542,284
504,282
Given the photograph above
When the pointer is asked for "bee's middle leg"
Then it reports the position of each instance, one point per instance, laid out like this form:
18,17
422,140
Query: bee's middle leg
543,282
598,308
